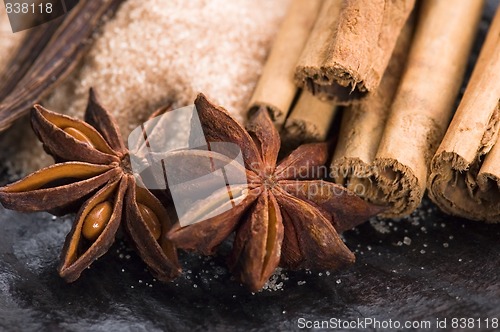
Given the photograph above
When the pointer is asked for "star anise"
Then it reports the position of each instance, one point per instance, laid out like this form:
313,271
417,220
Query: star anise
286,216
94,169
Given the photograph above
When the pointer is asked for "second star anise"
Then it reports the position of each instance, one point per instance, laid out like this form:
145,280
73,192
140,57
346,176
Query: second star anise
94,175
286,215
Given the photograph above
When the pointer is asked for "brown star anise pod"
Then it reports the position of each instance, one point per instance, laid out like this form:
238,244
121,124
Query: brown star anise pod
94,169
286,215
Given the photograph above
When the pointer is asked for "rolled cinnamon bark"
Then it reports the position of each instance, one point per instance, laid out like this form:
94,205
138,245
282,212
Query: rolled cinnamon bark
422,105
350,47
465,171
276,88
309,121
363,124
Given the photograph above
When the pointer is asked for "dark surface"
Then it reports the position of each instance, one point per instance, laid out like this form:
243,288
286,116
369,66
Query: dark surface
450,269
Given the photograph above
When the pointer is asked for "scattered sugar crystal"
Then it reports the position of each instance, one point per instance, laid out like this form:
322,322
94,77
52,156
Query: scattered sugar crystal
407,240
338,281
422,251
380,226
301,282
275,283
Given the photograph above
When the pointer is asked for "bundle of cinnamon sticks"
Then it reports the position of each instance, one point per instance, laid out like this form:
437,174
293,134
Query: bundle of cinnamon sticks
390,72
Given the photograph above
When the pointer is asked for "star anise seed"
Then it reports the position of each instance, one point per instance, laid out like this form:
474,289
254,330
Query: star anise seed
288,217
93,175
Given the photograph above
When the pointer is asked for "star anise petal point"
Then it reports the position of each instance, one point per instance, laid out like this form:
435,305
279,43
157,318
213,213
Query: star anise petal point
266,137
320,245
98,117
345,207
219,126
67,138
74,262
144,217
257,245
36,191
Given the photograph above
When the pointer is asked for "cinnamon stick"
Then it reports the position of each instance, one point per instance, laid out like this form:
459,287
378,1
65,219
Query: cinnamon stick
363,123
309,121
276,89
423,104
465,171
350,47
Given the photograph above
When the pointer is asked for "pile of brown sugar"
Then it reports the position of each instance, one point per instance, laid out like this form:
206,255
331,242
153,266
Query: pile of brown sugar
161,51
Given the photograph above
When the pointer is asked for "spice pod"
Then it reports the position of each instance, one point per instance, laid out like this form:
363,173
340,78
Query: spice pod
93,231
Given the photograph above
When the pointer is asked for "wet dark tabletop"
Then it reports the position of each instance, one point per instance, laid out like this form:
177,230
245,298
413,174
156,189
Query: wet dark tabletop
423,267
419,268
